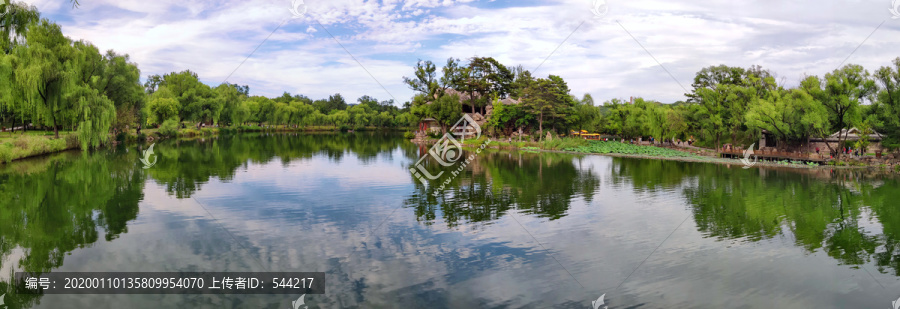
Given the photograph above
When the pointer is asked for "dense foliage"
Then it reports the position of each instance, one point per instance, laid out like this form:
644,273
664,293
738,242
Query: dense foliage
49,81
734,105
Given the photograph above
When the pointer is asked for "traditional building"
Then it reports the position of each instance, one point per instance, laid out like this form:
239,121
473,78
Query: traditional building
850,136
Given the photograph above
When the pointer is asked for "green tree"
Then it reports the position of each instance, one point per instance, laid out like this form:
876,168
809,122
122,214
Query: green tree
425,79
45,75
230,97
14,22
792,115
198,101
550,101
842,93
122,86
339,118
886,108
487,78
446,110
162,106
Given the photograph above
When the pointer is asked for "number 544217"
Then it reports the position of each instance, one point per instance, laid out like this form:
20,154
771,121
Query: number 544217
292,283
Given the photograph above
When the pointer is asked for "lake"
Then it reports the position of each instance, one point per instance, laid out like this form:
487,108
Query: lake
510,230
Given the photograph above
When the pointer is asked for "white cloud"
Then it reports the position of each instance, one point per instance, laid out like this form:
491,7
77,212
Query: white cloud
213,37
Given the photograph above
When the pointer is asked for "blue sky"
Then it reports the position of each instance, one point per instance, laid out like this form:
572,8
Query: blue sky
629,51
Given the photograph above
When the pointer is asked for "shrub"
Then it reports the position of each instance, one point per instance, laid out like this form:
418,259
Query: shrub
121,137
187,132
21,142
435,134
563,143
169,128
409,135
6,152
142,138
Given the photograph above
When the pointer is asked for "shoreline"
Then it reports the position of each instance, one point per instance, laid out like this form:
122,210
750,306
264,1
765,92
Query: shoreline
699,159
698,156
38,145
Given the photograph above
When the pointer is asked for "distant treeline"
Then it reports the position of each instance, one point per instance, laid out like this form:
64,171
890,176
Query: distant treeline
54,82
50,81
726,104
734,105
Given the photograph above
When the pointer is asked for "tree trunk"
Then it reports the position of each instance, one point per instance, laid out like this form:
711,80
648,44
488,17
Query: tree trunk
541,126
718,144
808,146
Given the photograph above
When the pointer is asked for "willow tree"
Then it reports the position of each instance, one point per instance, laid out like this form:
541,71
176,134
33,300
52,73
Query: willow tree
96,115
14,20
230,97
886,108
51,82
791,115
842,92
43,76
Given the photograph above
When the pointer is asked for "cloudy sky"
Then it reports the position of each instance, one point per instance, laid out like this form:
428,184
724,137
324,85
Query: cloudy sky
339,43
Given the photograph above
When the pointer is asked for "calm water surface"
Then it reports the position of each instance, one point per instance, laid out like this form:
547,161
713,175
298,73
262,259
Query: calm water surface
514,230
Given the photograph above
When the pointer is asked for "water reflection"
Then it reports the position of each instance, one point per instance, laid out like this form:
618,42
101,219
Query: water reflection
192,163
539,184
347,205
52,206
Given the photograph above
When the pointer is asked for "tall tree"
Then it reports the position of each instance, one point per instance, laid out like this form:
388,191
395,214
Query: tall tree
842,92
425,79
198,101
886,108
153,82
710,77
791,115
488,78
45,75
230,97
15,17
161,106
550,100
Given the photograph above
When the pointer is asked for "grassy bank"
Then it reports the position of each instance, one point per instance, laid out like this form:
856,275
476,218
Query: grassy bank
14,146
